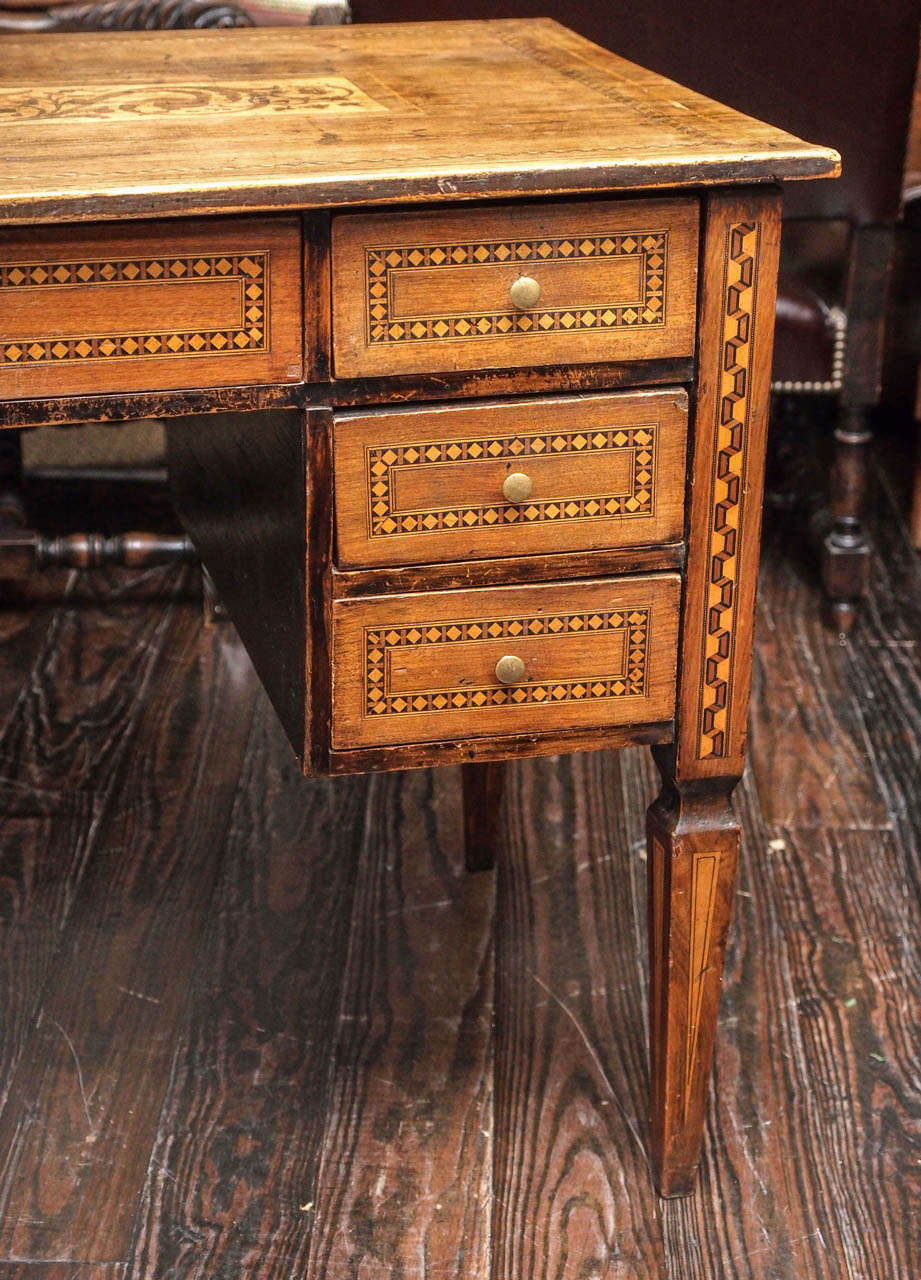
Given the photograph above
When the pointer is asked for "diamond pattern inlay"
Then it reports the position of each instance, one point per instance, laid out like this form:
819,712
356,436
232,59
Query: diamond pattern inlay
650,247
379,644
639,443
250,269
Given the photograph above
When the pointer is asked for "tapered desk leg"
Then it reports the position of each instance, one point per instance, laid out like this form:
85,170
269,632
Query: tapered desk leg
693,840
693,833
483,786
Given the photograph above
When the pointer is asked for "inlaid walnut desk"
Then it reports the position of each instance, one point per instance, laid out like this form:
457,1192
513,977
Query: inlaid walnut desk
510,301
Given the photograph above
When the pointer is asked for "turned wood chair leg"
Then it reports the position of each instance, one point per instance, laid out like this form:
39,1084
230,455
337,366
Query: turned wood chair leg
483,786
213,610
916,494
693,853
846,553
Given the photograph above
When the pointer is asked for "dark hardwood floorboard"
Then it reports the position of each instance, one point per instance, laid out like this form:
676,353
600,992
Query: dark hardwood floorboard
572,1182
333,1087
232,1177
62,1270
808,737
65,731
404,1185
83,1102
25,615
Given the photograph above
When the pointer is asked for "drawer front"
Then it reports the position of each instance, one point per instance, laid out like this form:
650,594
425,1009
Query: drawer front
149,306
426,486
422,667
422,293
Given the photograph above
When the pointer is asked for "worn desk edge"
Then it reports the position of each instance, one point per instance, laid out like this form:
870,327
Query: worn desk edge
319,192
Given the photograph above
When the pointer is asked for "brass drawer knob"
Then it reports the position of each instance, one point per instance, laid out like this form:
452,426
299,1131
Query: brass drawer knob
517,487
510,670
525,293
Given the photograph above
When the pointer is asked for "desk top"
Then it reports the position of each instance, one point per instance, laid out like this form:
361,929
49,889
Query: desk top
114,125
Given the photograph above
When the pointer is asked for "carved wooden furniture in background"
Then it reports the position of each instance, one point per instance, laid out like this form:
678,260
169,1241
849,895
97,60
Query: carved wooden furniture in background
439,470
24,16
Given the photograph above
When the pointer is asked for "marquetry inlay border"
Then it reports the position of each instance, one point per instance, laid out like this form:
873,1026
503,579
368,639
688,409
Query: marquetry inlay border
250,335
381,462
651,247
727,487
380,643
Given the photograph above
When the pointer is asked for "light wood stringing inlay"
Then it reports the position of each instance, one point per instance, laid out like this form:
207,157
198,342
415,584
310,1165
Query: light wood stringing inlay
476,110
144,306
627,634
425,485
704,881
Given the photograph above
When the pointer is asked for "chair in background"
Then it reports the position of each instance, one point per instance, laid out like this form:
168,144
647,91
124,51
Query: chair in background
155,15
831,69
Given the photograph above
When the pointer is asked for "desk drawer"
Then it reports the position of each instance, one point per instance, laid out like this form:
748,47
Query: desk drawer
422,486
432,292
149,306
423,667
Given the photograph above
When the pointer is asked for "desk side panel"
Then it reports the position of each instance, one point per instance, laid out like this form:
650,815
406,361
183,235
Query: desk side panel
239,485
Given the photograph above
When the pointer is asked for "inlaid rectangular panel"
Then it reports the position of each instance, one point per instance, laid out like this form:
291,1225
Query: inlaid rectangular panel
422,667
145,306
422,486
433,292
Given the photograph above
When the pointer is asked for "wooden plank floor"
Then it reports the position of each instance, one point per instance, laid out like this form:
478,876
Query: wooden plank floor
259,1027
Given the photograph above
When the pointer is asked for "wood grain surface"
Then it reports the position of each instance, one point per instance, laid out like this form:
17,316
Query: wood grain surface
126,125
430,291
150,306
422,667
283,1081
231,1179
513,746
405,1178
97,1057
526,380
62,1270
83,736
118,408
494,572
418,487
